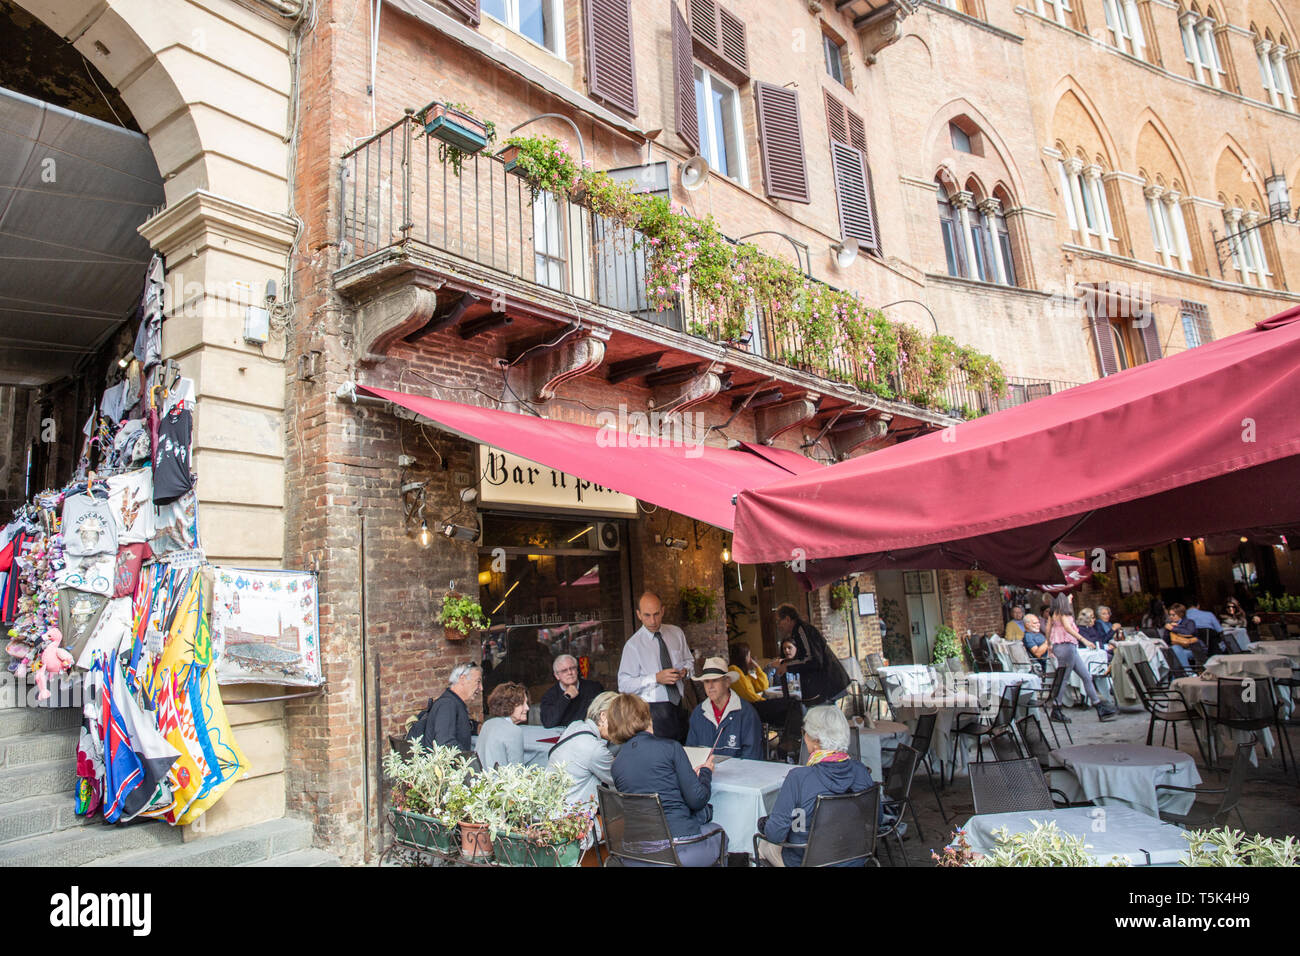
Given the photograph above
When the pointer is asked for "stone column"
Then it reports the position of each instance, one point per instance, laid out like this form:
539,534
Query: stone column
962,202
1092,182
1232,217
1173,216
990,208
1285,95
1073,167
1153,193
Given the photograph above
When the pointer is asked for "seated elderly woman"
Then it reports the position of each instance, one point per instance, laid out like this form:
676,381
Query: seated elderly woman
650,764
830,770
500,741
583,748
722,721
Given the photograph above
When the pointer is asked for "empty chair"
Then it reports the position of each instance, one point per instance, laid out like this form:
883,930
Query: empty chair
1044,699
1213,804
1176,668
790,739
1231,645
1004,744
898,797
1144,672
636,831
1167,706
1008,786
842,831
1249,704
922,737
978,729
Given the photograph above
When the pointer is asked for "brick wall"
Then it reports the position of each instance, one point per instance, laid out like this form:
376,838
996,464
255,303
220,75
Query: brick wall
961,612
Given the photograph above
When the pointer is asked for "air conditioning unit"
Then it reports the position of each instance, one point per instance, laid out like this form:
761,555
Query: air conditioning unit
608,536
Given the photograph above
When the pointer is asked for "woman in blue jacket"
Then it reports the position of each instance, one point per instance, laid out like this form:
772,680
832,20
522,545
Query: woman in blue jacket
650,764
723,717
830,770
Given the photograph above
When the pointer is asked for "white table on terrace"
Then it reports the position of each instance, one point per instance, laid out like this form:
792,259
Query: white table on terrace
1248,665
906,678
988,686
1130,651
1127,773
1108,832
909,707
1198,689
743,791
1287,649
872,740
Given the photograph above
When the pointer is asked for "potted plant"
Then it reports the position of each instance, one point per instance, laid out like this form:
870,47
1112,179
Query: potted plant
541,828
946,645
479,806
459,131
545,164
460,615
841,596
975,586
697,605
424,784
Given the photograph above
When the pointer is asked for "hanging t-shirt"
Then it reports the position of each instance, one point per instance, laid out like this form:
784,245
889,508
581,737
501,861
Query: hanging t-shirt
94,574
130,497
111,404
88,527
79,612
130,557
183,393
171,456
176,525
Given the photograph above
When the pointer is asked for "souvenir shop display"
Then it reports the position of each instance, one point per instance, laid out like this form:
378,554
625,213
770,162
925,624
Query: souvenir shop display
265,627
106,578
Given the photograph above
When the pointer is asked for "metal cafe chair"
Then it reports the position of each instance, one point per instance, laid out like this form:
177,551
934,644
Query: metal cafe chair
898,796
922,737
1035,741
978,729
790,738
1004,744
1008,786
1167,706
1249,704
1145,673
1176,668
1231,645
842,830
1045,697
636,830
1213,812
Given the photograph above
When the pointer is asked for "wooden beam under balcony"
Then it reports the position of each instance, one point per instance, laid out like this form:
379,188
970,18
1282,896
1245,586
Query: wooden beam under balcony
476,327
446,319
674,376
633,367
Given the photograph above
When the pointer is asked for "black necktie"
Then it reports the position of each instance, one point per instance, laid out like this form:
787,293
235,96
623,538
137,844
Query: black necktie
666,663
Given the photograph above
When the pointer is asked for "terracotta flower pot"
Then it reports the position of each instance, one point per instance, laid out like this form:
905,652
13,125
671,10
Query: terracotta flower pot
475,842
466,133
454,635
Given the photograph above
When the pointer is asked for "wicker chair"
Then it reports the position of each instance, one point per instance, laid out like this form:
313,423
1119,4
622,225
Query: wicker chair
1213,812
636,830
1008,786
842,831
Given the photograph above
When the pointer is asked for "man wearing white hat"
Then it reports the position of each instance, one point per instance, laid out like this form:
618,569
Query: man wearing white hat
724,722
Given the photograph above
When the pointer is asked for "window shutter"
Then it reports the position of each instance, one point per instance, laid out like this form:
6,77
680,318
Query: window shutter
853,194
1151,337
721,38
468,9
780,140
611,70
688,120
835,120
1104,339
857,133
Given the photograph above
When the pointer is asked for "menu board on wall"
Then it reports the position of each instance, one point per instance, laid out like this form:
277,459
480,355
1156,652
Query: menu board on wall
265,627
510,480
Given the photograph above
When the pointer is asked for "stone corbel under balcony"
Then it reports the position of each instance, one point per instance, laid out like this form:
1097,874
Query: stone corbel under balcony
548,370
671,399
878,22
772,420
846,437
393,314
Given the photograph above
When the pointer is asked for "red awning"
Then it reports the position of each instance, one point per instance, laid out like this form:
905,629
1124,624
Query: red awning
1202,442
699,481
791,461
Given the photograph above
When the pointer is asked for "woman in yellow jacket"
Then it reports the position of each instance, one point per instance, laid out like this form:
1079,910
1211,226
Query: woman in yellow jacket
751,683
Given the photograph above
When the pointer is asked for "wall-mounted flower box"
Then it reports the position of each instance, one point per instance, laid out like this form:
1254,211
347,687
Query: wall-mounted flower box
456,128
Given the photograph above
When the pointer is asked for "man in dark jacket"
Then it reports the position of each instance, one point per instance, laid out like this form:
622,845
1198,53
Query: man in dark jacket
445,721
568,699
830,770
822,677
723,717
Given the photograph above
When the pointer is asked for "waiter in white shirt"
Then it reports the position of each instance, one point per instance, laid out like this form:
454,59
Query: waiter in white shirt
655,662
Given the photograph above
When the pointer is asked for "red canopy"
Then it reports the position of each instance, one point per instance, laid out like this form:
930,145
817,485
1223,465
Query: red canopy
695,480
791,461
1201,442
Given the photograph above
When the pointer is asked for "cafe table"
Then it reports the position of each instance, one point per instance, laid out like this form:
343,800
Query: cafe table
873,740
1108,832
1197,690
1127,773
743,791
1129,652
1249,665
946,706
988,686
1288,649
906,678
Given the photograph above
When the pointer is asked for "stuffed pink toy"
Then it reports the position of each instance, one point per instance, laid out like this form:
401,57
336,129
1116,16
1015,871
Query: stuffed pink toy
54,660
22,652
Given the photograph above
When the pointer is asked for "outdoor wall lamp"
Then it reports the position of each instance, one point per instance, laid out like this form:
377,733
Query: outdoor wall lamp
677,544
425,538
845,252
726,554
458,532
582,152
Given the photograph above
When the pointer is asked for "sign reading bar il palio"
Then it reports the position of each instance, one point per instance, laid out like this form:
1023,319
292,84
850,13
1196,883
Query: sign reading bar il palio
511,480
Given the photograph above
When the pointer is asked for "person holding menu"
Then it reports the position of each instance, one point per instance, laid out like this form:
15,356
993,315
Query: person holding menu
656,661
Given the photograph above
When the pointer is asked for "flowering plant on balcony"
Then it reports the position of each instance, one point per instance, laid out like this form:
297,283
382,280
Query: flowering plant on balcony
545,164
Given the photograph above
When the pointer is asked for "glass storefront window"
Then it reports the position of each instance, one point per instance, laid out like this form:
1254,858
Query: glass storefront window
550,589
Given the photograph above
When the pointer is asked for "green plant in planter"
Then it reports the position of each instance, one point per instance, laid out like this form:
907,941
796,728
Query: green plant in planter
841,596
448,153
461,613
946,644
1101,580
545,164
427,783
697,604
1045,845
1227,847
975,586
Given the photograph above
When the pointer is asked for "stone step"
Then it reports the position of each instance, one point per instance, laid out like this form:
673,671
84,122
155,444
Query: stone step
55,779
78,846
243,847
35,815
26,749
311,857
20,721
65,693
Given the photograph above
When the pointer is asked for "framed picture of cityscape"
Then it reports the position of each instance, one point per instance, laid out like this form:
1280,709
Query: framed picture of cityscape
265,627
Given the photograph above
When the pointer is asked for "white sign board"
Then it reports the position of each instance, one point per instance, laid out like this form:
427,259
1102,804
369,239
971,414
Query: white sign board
510,480
866,602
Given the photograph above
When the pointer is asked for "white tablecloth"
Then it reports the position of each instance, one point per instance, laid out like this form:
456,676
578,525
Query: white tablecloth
1127,773
1108,832
1248,665
906,679
1287,649
988,686
909,707
743,791
1132,651
871,740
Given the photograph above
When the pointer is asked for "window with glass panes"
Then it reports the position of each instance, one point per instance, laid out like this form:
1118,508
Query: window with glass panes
834,58
950,227
541,21
721,132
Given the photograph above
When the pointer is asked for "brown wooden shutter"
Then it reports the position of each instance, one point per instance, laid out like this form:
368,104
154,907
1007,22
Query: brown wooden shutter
835,118
704,22
780,141
857,133
688,120
468,9
1102,337
857,220
721,38
731,40
611,70
1150,336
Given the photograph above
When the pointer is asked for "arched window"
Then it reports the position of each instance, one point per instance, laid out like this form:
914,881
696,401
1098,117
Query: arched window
1271,55
976,238
954,244
1201,46
1084,196
1168,228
